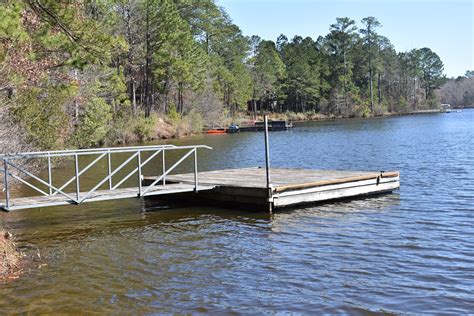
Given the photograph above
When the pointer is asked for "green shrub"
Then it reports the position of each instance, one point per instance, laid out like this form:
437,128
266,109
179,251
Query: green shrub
121,131
195,121
173,114
41,113
403,106
144,127
94,124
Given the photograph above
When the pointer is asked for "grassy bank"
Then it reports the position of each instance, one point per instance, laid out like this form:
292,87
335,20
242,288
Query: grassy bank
244,118
155,127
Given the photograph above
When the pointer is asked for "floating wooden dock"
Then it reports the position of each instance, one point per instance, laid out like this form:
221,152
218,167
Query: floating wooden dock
289,187
268,188
242,187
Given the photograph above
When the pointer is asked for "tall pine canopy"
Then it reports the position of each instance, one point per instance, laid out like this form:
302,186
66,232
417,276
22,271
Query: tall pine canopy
87,73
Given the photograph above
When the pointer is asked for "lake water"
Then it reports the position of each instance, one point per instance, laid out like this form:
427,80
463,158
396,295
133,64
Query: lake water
407,252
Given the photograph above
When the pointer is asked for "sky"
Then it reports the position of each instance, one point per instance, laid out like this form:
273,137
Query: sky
447,27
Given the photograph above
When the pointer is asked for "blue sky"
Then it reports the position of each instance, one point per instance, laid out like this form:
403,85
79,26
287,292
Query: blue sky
445,26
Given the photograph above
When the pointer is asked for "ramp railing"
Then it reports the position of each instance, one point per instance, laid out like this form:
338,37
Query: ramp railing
13,170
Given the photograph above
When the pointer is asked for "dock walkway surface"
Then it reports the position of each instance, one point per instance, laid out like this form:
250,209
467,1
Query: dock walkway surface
98,196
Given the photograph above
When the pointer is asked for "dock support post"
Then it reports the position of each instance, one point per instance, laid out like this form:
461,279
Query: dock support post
195,171
267,163
50,178
78,185
164,167
7,188
109,167
139,173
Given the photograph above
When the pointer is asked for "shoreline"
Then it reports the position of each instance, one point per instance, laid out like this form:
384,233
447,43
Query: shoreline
315,117
246,120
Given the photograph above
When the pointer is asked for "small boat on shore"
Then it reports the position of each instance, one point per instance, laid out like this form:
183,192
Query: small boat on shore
216,131
233,129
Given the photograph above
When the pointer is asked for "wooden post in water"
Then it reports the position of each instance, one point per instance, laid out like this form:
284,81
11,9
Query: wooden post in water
267,163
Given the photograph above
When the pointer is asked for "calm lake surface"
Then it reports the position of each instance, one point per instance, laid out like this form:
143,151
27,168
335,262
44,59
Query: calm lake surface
407,252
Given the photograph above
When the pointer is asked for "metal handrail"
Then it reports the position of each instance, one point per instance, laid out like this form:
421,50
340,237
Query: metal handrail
97,151
8,159
67,151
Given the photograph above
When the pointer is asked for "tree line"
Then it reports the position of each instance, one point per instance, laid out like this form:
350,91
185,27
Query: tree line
459,92
89,72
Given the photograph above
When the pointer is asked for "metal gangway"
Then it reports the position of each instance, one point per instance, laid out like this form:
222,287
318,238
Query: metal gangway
44,190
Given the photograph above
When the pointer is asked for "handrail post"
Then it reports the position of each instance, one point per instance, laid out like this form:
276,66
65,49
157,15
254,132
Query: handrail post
195,171
164,167
50,178
267,163
7,189
139,173
109,167
78,186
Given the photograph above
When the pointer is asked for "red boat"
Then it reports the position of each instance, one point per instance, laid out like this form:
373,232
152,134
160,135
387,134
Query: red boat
216,131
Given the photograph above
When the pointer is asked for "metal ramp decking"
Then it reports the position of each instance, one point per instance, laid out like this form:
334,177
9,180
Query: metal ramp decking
101,195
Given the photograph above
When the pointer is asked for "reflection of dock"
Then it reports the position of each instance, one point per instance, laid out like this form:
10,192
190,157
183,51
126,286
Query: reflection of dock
289,186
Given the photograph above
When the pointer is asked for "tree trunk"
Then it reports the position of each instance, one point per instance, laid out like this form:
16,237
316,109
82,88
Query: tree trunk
148,74
414,93
254,109
76,104
134,97
129,66
371,88
180,99
379,91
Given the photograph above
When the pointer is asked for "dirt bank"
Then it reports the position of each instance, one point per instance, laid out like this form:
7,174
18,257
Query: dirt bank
10,257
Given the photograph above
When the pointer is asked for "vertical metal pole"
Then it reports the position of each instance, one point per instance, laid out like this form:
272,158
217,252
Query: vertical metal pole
195,170
139,173
109,167
78,185
267,162
164,168
7,189
267,152
50,177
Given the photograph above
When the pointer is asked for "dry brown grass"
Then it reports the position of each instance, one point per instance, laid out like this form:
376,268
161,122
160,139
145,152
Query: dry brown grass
10,257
